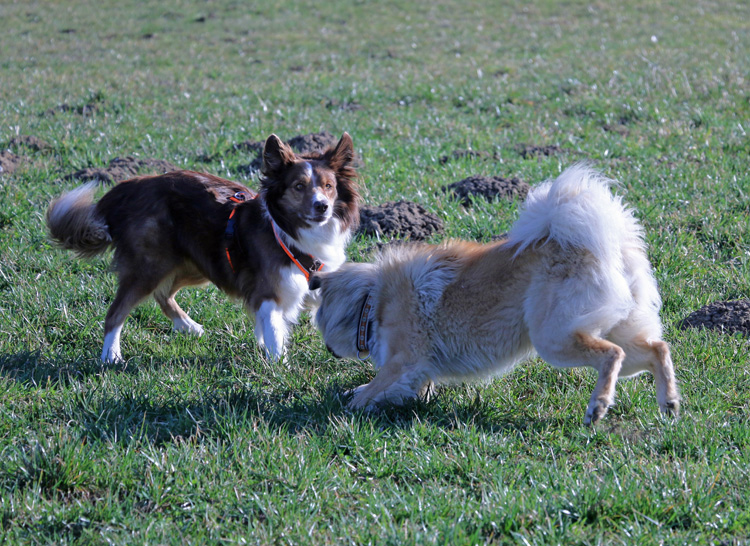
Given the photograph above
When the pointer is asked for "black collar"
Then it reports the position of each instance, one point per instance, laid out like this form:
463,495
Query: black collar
363,329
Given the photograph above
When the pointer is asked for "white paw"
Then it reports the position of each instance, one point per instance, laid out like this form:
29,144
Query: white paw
187,326
110,356
111,352
274,354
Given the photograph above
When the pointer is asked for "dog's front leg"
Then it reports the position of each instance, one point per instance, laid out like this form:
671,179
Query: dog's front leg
396,383
271,329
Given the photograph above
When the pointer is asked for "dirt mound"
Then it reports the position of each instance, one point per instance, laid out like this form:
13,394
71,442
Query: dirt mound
462,154
346,106
616,128
95,103
489,187
249,147
528,150
403,219
730,317
9,162
31,142
310,143
122,168
313,142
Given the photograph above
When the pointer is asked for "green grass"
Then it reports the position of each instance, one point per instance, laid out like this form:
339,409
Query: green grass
203,441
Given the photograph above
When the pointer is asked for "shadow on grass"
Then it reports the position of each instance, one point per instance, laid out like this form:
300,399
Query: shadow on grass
32,368
121,413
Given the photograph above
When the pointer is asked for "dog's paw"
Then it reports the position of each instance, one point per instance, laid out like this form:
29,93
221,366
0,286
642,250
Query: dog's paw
360,401
352,392
671,408
112,357
187,326
596,410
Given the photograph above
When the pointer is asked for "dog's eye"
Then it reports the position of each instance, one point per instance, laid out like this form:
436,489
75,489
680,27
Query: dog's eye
329,186
299,186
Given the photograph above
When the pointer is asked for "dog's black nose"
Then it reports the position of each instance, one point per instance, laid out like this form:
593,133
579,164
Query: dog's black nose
320,206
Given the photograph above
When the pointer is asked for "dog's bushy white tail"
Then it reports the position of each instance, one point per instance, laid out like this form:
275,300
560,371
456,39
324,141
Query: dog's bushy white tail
74,224
577,210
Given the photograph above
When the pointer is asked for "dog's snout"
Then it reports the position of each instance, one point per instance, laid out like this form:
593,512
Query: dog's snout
320,206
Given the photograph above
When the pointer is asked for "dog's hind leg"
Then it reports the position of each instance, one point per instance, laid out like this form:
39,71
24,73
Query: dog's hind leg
164,296
584,349
654,355
130,293
606,358
137,282
666,385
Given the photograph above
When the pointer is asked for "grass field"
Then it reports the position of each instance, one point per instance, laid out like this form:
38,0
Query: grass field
203,441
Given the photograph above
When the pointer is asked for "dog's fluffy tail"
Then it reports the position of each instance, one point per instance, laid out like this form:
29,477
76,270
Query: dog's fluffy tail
577,210
74,224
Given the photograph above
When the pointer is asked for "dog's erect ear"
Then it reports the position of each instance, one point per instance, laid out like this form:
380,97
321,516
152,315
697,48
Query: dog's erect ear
343,154
276,155
315,282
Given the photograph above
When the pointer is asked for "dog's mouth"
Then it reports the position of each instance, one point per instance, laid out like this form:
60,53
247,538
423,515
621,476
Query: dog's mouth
319,218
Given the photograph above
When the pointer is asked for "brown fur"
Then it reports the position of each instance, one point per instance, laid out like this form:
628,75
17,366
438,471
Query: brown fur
168,232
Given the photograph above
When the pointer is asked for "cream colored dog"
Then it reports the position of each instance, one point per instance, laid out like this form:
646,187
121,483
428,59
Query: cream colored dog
571,282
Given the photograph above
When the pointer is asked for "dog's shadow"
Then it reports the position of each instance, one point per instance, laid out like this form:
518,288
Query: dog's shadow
125,410
121,415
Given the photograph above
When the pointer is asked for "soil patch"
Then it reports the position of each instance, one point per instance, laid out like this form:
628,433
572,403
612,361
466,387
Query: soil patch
31,142
618,128
528,151
9,162
462,154
345,105
730,317
95,103
82,109
404,219
489,187
122,168
311,143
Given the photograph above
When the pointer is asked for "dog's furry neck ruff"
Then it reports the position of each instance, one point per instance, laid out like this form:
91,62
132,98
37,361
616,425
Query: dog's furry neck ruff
363,350
306,263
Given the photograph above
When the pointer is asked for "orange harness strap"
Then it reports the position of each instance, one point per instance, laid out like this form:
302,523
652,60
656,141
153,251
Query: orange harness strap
239,197
316,266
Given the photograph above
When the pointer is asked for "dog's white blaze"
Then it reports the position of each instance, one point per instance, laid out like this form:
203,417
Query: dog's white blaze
111,352
320,197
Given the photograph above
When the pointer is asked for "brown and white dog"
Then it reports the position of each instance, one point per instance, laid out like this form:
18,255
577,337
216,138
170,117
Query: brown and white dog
187,228
571,282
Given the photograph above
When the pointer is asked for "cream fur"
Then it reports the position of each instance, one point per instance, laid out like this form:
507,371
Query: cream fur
572,283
